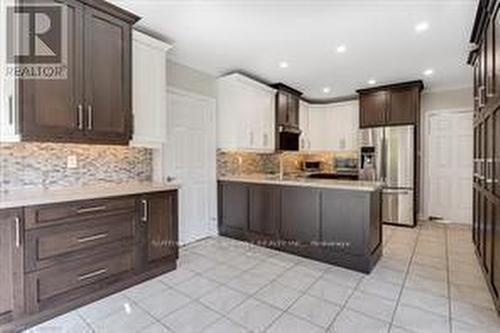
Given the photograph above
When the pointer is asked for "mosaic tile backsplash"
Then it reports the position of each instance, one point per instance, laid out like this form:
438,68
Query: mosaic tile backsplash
246,163
26,165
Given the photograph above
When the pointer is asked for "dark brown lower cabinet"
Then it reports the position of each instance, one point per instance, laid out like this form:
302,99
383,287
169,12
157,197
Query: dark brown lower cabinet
495,272
11,265
233,210
341,227
159,228
264,213
54,258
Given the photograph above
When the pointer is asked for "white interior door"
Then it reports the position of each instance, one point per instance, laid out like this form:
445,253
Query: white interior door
190,160
449,166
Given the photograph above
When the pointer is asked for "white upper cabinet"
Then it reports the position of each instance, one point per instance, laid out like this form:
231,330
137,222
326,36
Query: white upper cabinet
305,135
149,75
9,120
245,114
333,127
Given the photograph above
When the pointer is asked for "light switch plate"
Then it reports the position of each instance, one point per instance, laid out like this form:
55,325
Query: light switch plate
71,162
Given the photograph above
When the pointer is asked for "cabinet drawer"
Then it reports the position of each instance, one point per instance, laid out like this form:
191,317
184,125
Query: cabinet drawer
45,244
62,283
38,216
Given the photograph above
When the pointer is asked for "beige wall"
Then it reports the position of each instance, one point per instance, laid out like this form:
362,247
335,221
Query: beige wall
186,78
453,99
447,99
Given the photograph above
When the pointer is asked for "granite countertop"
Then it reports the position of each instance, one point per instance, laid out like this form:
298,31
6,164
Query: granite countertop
354,185
31,197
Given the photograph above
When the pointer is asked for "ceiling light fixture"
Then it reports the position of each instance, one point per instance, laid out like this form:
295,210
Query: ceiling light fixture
372,81
327,90
341,48
428,72
421,27
283,64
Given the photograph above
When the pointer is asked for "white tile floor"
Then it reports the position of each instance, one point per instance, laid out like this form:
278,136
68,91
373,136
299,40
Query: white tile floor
427,281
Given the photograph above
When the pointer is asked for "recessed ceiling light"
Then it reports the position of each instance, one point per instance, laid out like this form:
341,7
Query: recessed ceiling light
341,48
428,72
283,64
422,26
372,81
327,90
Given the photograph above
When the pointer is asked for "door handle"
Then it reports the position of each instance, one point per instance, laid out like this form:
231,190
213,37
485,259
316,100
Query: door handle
144,217
90,117
170,179
11,110
18,231
80,117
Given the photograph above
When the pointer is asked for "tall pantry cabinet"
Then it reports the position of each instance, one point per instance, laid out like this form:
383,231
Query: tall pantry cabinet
485,59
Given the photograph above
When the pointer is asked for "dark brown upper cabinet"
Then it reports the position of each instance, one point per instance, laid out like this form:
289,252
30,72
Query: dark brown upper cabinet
391,105
287,106
11,263
93,104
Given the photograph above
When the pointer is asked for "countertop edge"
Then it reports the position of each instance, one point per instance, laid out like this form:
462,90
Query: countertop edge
311,184
35,197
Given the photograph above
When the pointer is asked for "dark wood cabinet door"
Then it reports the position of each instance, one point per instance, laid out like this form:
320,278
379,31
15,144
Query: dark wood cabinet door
490,65
52,109
107,77
159,216
300,214
264,210
373,108
481,224
488,235
403,106
293,111
282,108
489,137
495,278
496,153
233,201
11,265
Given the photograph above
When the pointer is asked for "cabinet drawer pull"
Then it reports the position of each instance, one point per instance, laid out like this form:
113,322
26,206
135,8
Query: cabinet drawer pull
92,274
92,238
18,231
91,209
144,217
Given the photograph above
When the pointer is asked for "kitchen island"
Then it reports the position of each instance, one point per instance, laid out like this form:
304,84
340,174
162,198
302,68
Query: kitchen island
333,221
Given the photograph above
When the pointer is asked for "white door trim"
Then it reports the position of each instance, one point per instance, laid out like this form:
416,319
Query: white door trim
424,160
212,228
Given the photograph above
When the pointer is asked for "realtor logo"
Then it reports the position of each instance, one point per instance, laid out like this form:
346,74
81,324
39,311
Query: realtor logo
36,42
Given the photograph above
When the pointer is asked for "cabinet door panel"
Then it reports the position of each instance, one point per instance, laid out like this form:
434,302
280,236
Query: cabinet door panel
159,212
293,110
488,236
107,77
496,154
282,108
300,214
373,108
490,60
234,200
403,106
11,263
49,109
496,249
264,210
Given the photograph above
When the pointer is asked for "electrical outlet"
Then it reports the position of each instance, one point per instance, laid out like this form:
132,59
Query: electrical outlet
71,162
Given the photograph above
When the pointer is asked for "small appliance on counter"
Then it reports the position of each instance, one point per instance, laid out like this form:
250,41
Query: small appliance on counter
311,166
346,166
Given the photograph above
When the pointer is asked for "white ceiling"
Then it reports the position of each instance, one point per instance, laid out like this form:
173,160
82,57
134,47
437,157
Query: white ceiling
254,36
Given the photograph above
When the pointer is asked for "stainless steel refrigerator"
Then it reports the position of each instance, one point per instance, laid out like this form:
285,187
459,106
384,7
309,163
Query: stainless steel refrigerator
388,155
